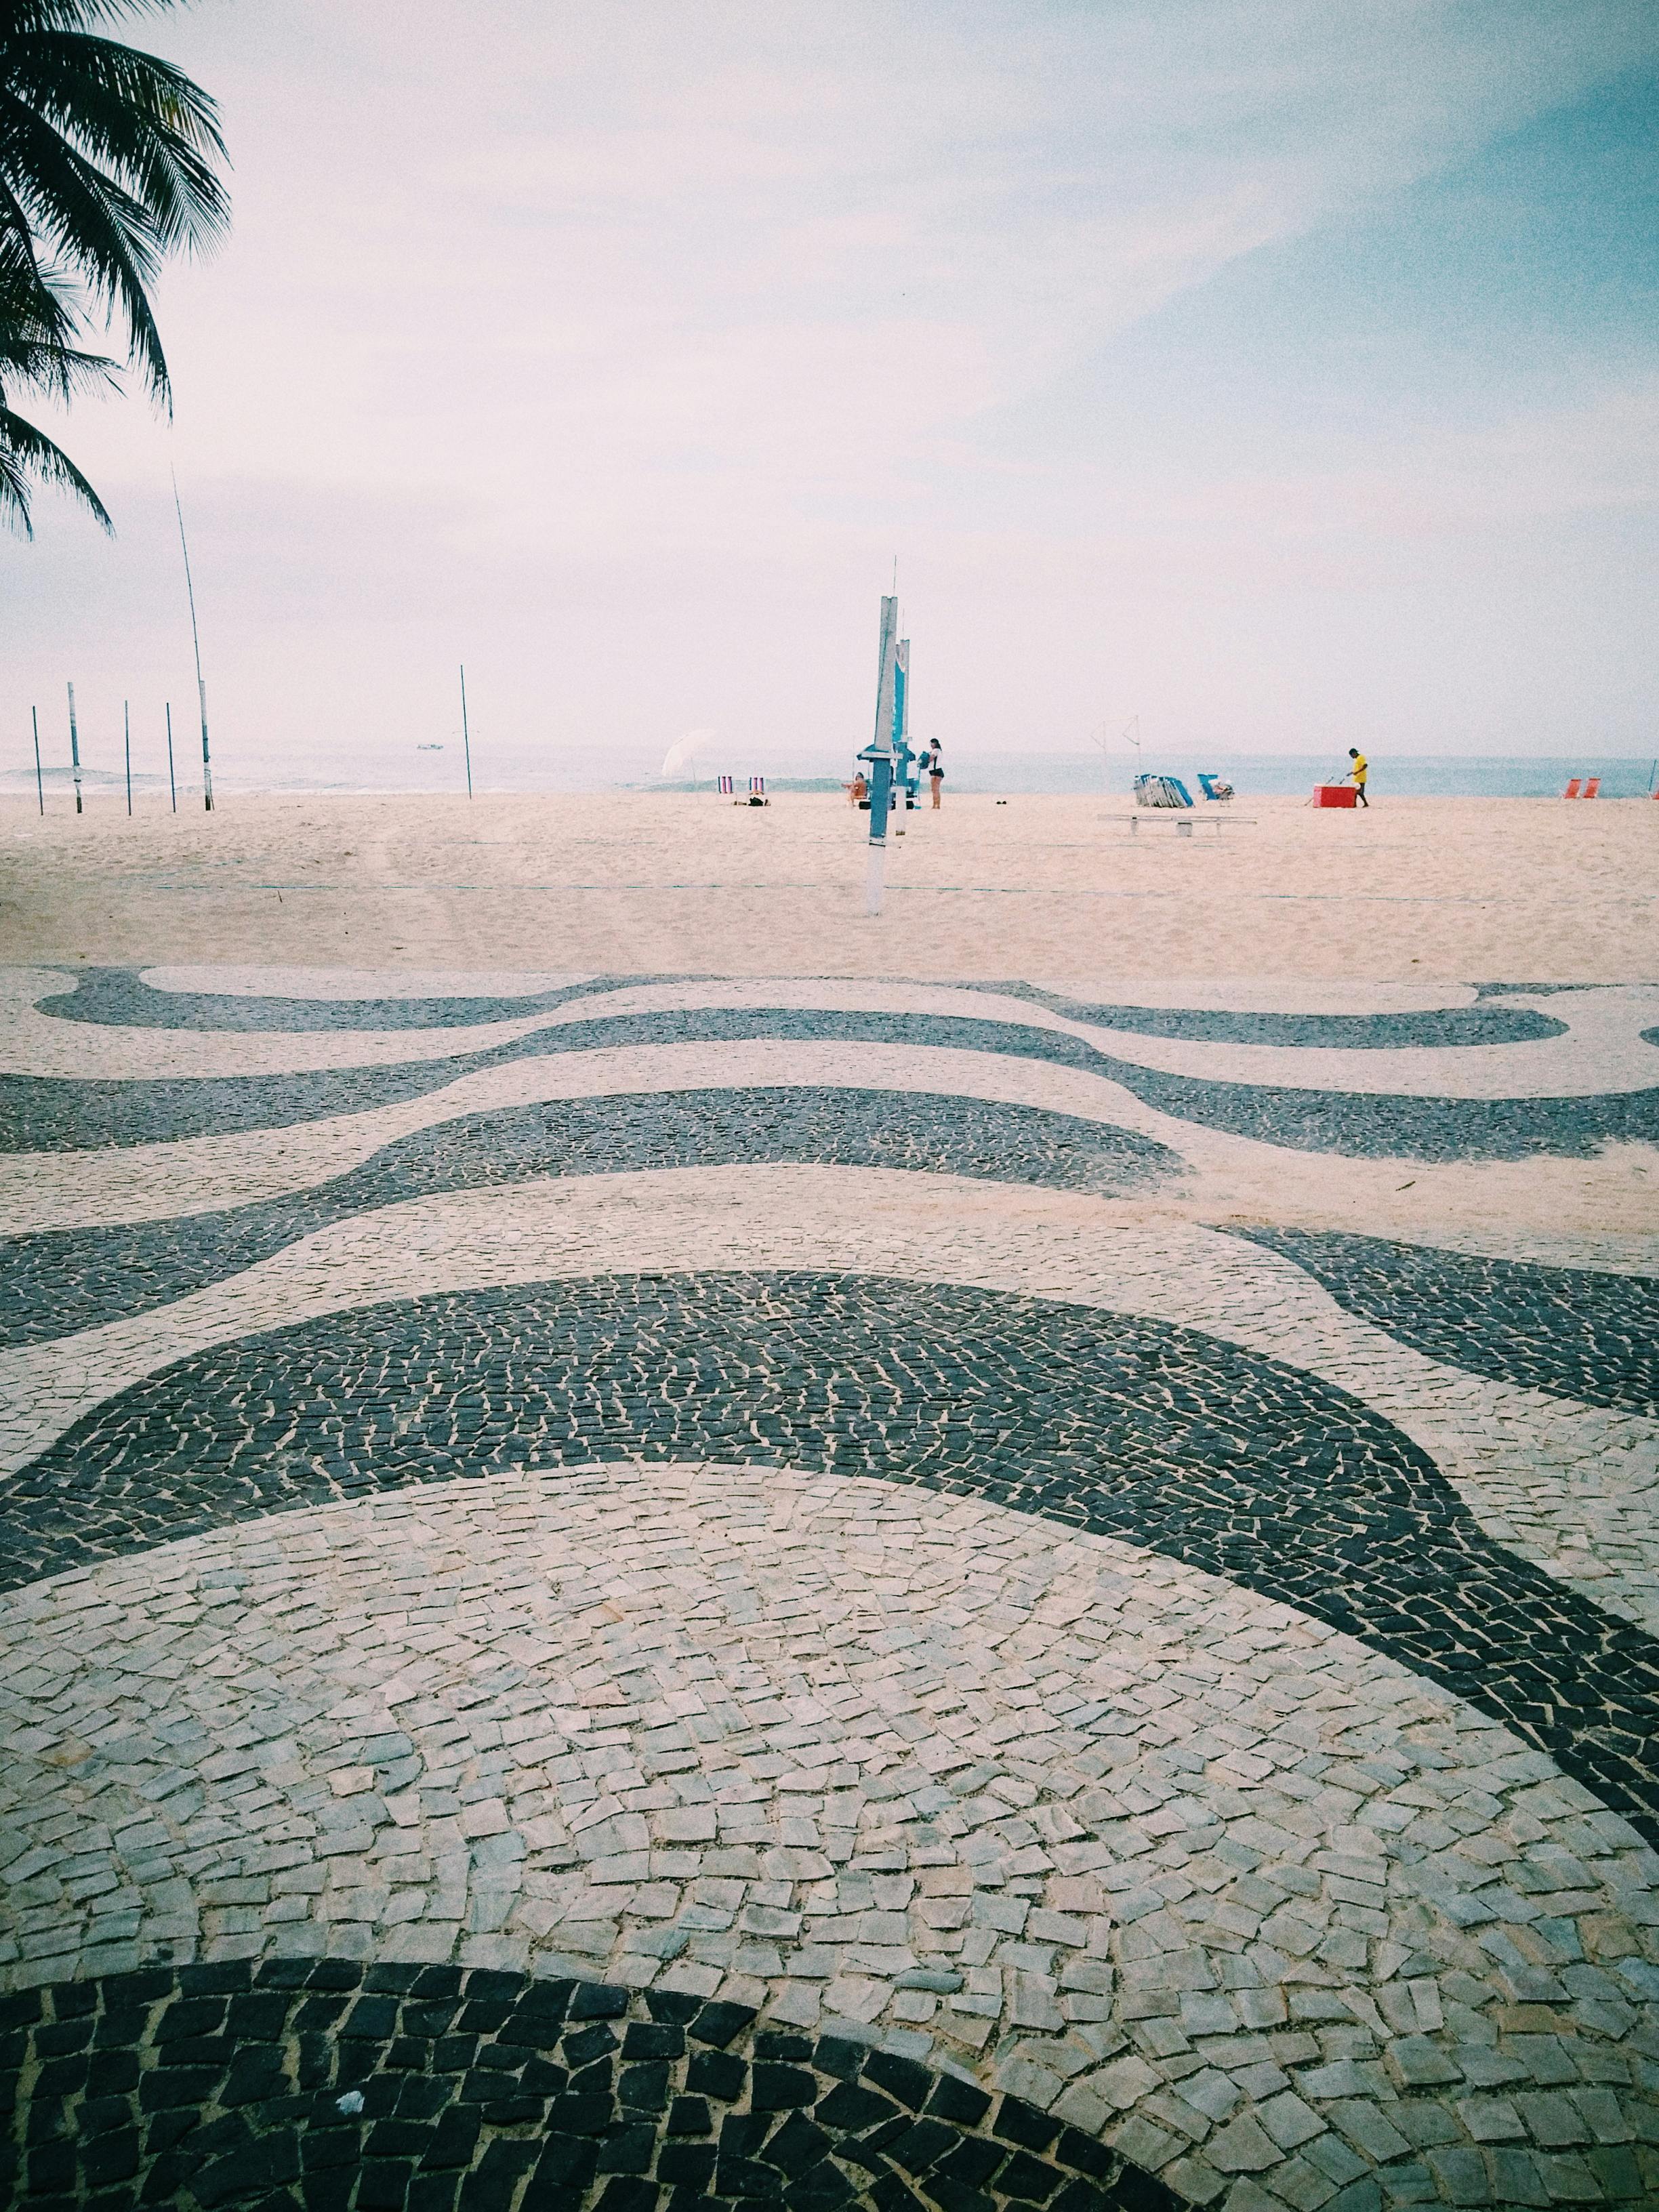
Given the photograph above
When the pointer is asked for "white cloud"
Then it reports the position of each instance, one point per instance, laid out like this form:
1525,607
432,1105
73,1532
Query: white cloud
633,321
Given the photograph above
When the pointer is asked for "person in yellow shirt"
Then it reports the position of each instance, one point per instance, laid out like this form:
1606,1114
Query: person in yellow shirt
1357,774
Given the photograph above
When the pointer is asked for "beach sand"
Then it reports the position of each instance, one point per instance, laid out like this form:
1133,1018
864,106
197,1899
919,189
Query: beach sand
1514,890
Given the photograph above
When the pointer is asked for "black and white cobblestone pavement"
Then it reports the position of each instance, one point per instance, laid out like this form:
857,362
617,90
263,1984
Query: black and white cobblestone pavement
664,1593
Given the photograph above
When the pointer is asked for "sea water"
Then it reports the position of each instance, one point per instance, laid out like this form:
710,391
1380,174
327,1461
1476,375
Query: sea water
587,767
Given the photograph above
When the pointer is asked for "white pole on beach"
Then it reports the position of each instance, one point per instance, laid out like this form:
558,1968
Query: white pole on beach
466,734
39,787
173,788
126,747
196,640
75,752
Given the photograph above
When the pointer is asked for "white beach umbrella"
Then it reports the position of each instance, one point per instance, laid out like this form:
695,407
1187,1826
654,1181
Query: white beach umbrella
684,751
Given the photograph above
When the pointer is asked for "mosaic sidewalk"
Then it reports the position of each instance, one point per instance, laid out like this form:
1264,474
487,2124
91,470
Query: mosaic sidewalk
662,1592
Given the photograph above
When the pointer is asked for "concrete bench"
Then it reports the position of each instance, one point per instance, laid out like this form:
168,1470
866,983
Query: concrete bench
1184,819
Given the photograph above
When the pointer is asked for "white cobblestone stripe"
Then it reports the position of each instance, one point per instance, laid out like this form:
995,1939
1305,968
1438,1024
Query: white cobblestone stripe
1231,1175
1571,1487
1600,1052
1198,1874
195,1175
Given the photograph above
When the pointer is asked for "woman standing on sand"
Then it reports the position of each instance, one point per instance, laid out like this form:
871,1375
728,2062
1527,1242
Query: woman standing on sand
935,768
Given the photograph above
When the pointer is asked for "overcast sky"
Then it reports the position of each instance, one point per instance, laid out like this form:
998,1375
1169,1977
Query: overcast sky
1282,373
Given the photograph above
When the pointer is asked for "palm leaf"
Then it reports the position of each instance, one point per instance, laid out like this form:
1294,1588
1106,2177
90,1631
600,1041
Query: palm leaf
106,153
27,453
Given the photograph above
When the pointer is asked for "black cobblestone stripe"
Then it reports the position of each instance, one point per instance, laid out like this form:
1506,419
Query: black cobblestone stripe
1441,1026
1574,1332
215,2087
55,1113
119,997
1195,1448
55,1281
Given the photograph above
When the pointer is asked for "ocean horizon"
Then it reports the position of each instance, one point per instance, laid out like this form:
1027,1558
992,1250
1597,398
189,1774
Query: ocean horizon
1443,775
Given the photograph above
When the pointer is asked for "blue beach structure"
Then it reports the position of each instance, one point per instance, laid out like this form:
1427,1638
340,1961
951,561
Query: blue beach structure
883,751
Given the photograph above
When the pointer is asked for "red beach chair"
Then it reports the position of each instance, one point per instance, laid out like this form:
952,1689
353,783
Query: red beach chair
1593,788
1571,791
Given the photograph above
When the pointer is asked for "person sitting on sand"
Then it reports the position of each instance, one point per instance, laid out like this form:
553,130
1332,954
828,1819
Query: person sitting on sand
858,791
1357,774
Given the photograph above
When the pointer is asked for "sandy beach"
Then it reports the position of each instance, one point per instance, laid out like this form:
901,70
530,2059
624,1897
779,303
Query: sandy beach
1040,1508
633,883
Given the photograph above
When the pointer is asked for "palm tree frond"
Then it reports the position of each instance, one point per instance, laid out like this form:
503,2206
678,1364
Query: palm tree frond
27,453
108,155
90,220
140,118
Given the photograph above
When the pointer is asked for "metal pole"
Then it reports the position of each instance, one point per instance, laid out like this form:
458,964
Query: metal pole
466,735
880,754
75,752
39,787
196,640
126,742
173,788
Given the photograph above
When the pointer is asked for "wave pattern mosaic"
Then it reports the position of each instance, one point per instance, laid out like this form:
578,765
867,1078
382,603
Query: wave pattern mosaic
1016,1681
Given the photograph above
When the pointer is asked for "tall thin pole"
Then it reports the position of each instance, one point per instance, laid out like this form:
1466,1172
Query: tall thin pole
39,787
173,788
196,640
466,735
127,743
75,752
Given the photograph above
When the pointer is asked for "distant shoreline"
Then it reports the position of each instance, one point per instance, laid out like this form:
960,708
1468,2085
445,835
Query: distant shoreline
579,773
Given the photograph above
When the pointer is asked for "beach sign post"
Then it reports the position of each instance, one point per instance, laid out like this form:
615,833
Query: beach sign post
75,752
880,754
